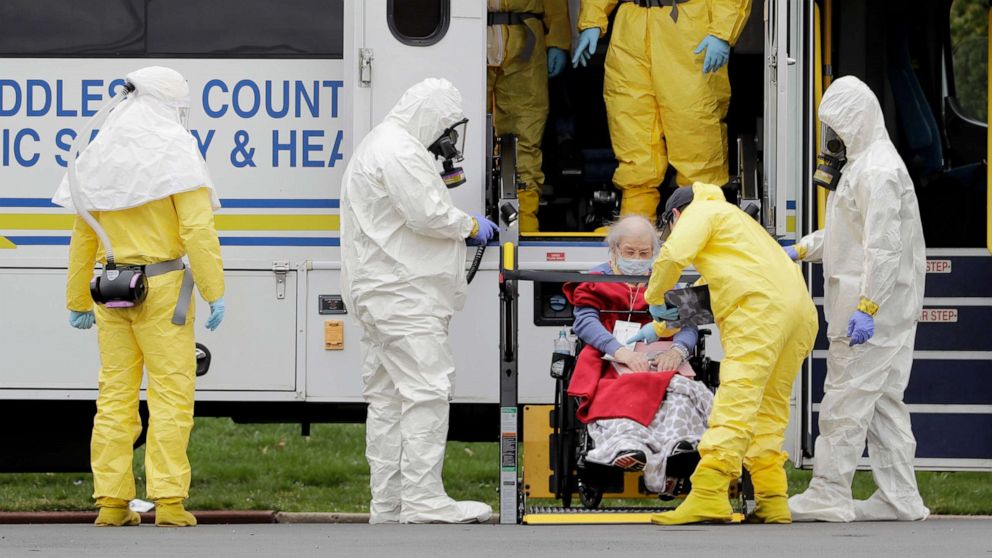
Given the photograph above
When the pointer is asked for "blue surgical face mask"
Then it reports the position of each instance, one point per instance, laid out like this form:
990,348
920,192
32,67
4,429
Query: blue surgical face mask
634,267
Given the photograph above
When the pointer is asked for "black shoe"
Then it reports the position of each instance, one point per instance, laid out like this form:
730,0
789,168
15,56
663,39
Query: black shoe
631,460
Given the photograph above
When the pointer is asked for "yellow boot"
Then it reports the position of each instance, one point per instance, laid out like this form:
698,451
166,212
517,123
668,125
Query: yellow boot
528,200
169,512
115,513
771,492
640,201
708,501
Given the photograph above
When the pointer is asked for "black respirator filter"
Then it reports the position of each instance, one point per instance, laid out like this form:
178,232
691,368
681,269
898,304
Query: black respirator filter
119,288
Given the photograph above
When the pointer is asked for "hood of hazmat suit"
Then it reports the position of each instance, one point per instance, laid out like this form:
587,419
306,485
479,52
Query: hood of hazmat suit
403,277
874,260
142,152
402,238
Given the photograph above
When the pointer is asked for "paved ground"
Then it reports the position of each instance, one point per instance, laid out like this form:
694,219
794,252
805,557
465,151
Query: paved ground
942,538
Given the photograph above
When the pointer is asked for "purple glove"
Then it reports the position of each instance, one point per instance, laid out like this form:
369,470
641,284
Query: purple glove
860,328
487,229
791,251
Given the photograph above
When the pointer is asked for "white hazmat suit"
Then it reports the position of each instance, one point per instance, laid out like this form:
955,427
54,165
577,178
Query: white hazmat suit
874,260
403,277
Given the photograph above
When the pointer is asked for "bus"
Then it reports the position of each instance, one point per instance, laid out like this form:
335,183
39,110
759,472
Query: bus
283,91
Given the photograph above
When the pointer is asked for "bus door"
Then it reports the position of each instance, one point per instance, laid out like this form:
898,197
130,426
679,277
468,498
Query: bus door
927,63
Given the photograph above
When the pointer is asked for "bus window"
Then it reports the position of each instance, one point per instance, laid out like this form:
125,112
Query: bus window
246,28
969,47
419,22
157,28
50,27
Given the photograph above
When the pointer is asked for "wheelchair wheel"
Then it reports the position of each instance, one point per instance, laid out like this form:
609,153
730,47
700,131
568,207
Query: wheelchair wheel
591,497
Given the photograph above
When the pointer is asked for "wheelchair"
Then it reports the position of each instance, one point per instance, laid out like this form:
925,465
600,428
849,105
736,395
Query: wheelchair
570,443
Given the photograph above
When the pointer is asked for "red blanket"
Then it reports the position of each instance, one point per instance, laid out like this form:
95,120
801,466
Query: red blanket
602,393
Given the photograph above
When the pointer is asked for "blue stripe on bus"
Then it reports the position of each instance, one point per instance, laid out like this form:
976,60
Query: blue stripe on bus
287,203
26,202
790,204
39,240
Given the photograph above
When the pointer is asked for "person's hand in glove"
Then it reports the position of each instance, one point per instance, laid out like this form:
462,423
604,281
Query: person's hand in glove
483,231
81,320
860,328
556,61
588,39
638,362
717,53
216,314
662,313
791,252
647,335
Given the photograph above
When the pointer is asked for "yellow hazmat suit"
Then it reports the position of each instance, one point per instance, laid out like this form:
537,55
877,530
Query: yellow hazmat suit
767,326
517,86
660,105
144,337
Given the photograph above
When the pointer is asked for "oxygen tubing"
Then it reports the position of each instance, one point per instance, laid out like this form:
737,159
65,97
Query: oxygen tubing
77,144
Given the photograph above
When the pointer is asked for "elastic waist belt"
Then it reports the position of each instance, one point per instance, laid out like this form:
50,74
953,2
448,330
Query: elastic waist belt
185,291
516,18
660,4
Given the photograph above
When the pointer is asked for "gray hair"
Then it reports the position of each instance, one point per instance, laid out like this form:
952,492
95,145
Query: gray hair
632,225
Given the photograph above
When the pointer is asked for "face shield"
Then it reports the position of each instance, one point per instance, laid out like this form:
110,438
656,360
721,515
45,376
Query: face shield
447,148
182,112
830,161
667,221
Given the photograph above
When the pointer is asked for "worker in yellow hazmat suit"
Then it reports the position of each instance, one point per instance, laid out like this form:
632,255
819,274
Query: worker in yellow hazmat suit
666,90
144,182
767,326
527,43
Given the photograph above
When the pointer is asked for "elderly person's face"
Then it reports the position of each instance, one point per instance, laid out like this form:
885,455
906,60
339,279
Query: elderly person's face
636,247
633,254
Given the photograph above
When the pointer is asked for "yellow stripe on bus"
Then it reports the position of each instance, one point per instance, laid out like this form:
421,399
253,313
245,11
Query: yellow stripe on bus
63,222
278,222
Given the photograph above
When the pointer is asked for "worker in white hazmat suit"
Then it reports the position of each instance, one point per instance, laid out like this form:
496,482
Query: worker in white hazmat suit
874,265
403,277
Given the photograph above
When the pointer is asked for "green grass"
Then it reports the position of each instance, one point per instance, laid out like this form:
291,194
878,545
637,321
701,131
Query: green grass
272,467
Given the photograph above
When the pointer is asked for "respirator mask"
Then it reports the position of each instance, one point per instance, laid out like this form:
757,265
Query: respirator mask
830,161
447,148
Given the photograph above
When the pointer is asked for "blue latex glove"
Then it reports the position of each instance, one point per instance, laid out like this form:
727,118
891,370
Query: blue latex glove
663,313
647,334
487,229
81,320
556,61
588,39
216,314
717,53
791,252
860,328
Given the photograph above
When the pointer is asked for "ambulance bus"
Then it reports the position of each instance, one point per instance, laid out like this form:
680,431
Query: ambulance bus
281,94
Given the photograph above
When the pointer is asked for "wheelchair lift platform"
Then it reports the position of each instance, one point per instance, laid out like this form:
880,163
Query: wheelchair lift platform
539,515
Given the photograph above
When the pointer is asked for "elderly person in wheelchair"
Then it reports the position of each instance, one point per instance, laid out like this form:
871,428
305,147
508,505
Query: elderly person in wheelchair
638,402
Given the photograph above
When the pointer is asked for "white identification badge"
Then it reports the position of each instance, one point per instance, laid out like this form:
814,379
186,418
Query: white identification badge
624,330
